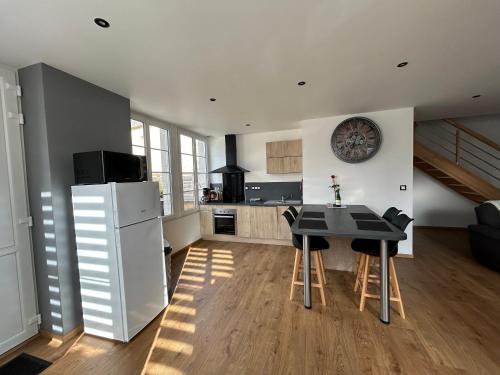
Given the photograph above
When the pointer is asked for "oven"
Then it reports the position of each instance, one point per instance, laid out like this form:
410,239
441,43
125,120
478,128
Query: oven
224,221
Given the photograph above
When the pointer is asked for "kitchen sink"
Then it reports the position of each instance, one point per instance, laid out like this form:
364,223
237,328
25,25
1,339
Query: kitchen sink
281,202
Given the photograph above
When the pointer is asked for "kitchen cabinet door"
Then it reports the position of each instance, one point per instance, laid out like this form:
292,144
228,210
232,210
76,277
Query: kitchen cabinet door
263,223
284,232
206,223
275,149
275,165
243,222
292,164
293,148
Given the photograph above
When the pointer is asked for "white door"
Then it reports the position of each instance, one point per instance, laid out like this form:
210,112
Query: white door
18,307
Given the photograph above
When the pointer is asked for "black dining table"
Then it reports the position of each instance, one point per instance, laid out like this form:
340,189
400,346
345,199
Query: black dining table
354,221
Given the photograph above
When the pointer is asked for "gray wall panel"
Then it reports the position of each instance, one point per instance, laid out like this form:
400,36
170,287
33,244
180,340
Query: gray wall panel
79,117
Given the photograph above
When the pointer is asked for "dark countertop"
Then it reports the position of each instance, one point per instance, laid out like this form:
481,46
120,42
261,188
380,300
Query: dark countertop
247,203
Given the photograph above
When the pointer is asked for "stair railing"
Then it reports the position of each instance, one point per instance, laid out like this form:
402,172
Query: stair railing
468,148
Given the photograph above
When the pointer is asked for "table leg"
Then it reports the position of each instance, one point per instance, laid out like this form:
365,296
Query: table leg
385,306
307,272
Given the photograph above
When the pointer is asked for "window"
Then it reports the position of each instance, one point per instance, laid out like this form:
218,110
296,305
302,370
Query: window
160,165
194,170
138,141
158,147
201,167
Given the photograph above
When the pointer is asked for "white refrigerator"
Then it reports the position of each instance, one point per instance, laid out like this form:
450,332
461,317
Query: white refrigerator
121,262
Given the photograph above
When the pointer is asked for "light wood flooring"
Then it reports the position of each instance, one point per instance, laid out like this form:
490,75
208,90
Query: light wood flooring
231,315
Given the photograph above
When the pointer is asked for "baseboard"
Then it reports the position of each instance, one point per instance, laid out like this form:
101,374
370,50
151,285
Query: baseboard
440,228
228,238
410,256
63,338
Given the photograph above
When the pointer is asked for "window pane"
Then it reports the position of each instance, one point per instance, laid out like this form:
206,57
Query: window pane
200,148
137,129
202,181
167,205
187,181
159,161
186,144
201,165
136,150
187,163
164,182
158,138
189,202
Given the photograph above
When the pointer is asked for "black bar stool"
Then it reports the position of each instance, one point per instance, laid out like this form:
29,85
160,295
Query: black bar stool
316,244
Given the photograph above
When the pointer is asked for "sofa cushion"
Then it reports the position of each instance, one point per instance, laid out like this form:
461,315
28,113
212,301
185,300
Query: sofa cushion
487,231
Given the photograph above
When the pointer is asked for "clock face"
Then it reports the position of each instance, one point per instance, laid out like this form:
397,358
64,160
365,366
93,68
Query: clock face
356,139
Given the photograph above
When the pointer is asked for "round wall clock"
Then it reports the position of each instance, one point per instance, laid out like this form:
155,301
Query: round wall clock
356,139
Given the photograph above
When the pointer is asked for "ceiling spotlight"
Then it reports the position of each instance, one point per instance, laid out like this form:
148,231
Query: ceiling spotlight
402,64
213,99
101,22
301,83
247,124
476,96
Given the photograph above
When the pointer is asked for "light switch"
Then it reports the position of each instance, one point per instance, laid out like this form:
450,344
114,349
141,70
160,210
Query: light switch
402,187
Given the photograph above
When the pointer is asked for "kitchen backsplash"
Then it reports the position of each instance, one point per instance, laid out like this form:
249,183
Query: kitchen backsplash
273,190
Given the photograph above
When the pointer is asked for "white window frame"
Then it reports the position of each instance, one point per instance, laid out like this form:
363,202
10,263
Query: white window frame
175,162
147,122
194,137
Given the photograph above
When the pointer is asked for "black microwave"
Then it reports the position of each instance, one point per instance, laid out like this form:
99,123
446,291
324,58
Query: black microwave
101,167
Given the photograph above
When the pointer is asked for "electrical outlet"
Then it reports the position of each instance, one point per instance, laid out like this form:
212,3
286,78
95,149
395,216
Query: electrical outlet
402,187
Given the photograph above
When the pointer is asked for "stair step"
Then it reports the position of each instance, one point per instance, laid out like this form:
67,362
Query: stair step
470,193
456,185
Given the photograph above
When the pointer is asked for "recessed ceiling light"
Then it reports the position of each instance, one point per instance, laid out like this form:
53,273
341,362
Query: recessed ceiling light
402,64
101,22
213,99
476,96
247,124
301,83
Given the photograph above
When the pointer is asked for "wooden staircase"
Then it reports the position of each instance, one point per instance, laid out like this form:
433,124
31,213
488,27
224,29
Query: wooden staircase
452,174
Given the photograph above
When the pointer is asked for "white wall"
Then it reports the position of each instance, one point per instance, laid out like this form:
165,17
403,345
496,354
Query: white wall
251,155
436,205
182,231
374,183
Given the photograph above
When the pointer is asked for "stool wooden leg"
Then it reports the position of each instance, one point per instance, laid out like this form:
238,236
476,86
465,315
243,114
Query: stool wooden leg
319,276
322,265
359,272
395,286
364,285
295,272
358,260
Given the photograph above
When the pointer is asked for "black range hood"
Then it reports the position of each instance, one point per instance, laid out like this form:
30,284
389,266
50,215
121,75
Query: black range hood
231,166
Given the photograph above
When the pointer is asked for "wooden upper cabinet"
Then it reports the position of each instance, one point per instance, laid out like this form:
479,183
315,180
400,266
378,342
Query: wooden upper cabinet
284,157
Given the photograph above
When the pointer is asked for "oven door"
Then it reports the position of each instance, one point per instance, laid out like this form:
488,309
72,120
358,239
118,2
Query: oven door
225,224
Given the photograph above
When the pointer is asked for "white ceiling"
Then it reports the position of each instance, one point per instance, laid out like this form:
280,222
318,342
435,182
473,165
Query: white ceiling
170,56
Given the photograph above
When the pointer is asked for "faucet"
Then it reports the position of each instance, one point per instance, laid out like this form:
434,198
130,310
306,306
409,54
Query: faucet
283,198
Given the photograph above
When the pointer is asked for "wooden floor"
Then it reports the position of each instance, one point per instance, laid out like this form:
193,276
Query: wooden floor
231,315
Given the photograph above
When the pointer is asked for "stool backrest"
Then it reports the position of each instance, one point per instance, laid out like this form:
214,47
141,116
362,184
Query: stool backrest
293,211
289,217
391,214
401,221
